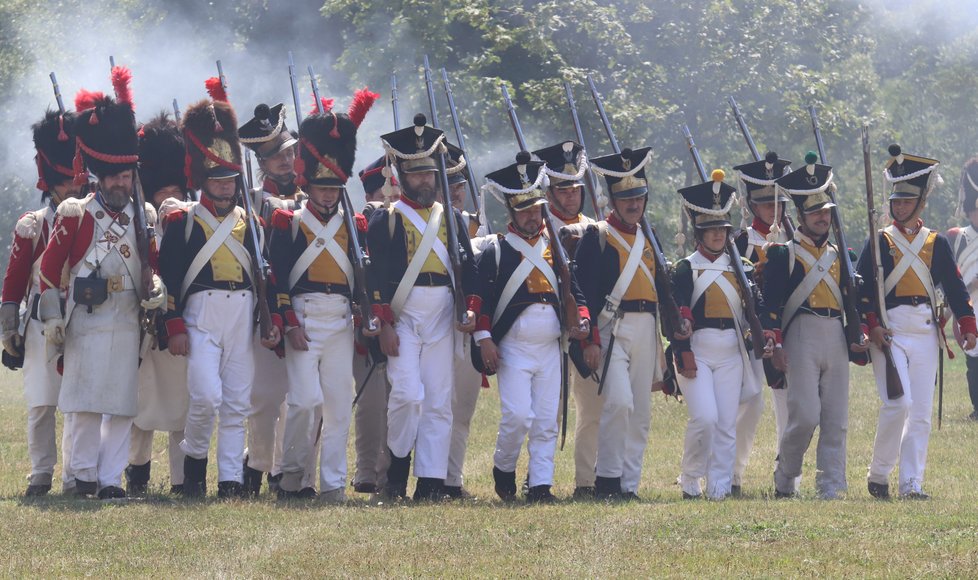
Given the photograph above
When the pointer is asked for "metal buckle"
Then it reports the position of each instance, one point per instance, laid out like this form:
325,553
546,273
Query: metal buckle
116,283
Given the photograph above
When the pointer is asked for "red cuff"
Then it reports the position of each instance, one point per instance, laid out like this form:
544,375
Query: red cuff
966,325
686,313
175,326
291,319
771,335
583,312
777,335
872,320
483,323
864,328
474,303
360,349
277,321
383,312
595,338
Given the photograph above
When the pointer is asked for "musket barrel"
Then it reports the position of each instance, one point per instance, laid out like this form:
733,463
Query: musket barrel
397,116
470,173
744,129
295,92
57,93
176,111
590,182
430,89
604,116
513,119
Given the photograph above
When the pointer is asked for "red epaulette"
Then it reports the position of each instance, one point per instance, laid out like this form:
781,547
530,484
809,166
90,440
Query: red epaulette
361,221
282,219
174,216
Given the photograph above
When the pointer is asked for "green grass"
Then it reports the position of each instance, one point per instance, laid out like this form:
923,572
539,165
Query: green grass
662,536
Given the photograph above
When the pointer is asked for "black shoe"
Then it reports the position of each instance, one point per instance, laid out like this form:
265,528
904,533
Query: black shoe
429,489
37,490
112,492
137,479
879,490
252,480
540,494
455,492
505,484
915,495
176,489
230,490
305,493
629,496
607,488
273,482
692,496
778,494
365,487
583,493
736,491
194,477
397,477
85,489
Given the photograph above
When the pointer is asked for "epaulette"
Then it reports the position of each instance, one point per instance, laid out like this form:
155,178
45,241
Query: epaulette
361,222
282,219
175,215
73,206
776,249
28,226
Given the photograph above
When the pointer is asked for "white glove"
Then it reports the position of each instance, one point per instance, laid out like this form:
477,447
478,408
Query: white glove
9,324
54,331
157,295
49,312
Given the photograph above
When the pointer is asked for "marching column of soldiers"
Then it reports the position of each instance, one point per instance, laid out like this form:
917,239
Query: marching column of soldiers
277,316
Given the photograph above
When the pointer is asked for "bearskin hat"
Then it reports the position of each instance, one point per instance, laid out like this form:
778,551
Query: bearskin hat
54,140
328,142
161,155
105,129
211,138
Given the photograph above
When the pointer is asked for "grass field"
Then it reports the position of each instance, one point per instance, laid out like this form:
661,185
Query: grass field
661,536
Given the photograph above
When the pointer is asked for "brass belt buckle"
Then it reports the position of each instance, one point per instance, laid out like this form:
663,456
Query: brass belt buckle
116,284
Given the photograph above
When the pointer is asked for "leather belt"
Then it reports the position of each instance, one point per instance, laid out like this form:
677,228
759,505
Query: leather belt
321,288
637,306
821,312
717,323
906,301
432,279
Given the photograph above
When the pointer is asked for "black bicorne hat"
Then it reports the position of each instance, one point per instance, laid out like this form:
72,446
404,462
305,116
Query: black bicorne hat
708,203
909,176
624,172
521,184
267,133
809,186
757,179
413,148
566,163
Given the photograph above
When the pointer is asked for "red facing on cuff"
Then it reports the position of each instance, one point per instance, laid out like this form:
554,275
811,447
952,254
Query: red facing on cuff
483,323
291,319
474,303
770,335
595,338
864,328
175,326
583,312
777,335
383,312
277,321
872,320
687,313
967,325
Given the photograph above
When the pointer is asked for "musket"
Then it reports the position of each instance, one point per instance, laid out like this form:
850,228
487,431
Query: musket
248,170
477,200
176,112
111,62
569,314
295,92
363,385
144,233
854,333
940,367
397,116
455,257
57,93
748,290
358,255
786,223
894,386
221,77
590,182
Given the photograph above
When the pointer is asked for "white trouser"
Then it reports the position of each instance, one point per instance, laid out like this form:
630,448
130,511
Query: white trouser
141,451
42,384
371,422
587,421
465,396
42,446
320,378
627,412
713,399
100,447
67,475
220,369
749,419
529,393
903,430
266,423
419,413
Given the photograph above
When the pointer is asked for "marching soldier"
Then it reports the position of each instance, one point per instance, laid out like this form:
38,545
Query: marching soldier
96,238
964,243
914,261
411,277
163,396
566,164
206,257
274,146
804,299
518,332
23,342
370,365
309,251
617,273
714,365
756,182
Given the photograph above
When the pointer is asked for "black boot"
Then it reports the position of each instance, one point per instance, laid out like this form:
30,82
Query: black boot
428,489
540,494
137,479
194,477
230,490
607,487
273,482
397,477
582,493
505,483
112,492
879,490
85,489
252,480
176,489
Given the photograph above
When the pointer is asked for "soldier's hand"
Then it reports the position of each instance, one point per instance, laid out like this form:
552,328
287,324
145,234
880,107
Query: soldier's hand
389,341
178,344
54,331
468,324
490,355
863,345
365,328
881,336
685,330
592,356
157,295
298,338
582,331
779,359
969,341
274,337
13,343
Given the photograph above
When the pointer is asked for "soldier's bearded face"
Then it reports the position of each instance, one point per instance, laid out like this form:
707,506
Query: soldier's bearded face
421,187
566,200
117,188
630,210
65,189
529,220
